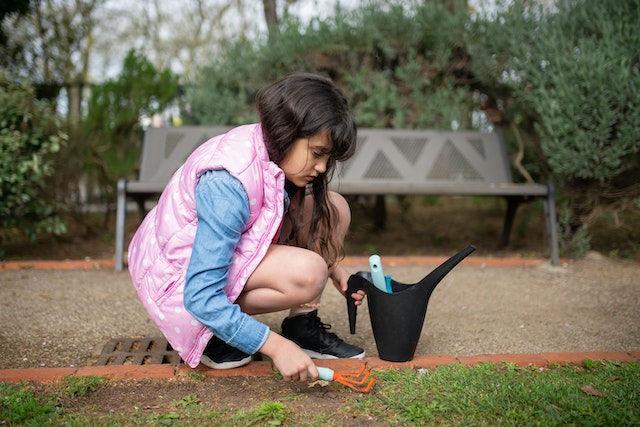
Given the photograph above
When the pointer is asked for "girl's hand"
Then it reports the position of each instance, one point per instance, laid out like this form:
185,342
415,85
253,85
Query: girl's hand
339,277
289,359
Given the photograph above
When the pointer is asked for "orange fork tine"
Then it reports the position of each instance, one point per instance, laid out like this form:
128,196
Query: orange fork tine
357,386
353,381
357,379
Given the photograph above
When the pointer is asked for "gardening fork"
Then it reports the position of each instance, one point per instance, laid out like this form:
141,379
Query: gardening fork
362,381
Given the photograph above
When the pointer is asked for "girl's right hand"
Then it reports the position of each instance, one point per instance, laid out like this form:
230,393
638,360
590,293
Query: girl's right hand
293,363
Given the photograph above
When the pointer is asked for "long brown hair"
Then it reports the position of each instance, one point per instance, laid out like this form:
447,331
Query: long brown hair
302,105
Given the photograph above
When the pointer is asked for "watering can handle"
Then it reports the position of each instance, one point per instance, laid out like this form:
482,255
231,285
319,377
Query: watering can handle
354,284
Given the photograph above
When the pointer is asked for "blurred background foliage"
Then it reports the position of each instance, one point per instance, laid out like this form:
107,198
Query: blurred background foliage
30,138
560,79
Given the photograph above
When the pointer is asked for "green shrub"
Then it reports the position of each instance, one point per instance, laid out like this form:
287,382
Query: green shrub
109,141
399,65
570,78
115,108
29,137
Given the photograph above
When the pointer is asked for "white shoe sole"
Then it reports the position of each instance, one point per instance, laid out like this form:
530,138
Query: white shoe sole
207,361
315,355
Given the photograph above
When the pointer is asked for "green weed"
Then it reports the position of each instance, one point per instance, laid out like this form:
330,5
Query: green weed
197,376
187,401
267,413
80,386
19,405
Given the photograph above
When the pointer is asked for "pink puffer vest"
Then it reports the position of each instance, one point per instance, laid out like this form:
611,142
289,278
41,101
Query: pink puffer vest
161,248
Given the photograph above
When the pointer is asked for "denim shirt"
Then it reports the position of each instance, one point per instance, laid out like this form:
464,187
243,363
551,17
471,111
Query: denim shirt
222,208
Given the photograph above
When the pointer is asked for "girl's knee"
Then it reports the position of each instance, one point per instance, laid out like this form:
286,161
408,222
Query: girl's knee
314,274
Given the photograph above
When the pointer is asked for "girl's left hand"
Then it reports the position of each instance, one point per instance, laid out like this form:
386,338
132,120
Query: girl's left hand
339,276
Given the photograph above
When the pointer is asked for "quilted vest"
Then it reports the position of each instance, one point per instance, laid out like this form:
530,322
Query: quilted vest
160,250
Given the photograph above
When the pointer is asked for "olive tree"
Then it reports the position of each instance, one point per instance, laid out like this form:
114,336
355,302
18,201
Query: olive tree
569,76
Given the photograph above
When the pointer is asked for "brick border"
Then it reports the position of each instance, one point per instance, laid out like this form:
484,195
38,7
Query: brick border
57,265
264,368
437,260
91,264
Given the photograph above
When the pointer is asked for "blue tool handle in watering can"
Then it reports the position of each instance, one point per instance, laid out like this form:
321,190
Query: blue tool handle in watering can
377,274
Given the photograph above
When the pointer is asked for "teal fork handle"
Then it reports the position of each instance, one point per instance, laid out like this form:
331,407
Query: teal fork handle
326,374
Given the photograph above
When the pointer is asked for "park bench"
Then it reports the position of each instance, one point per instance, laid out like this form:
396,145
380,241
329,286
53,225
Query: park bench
386,162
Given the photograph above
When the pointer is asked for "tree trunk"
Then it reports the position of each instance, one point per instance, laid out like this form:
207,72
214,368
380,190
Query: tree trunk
74,97
271,16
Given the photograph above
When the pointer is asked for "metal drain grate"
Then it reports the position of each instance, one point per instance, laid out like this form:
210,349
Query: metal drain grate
138,351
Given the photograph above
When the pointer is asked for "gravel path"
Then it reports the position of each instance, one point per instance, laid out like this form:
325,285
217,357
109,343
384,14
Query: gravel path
59,318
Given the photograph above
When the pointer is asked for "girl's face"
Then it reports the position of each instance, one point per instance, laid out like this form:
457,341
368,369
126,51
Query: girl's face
306,159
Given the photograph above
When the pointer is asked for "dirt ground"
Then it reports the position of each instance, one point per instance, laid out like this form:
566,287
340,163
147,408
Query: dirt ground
591,305
228,394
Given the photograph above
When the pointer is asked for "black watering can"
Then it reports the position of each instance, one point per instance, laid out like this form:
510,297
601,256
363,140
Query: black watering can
397,316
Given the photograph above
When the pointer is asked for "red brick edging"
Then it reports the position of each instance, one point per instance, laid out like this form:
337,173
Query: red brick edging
91,264
167,371
57,265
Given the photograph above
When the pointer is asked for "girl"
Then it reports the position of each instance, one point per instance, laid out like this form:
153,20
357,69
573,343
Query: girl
235,234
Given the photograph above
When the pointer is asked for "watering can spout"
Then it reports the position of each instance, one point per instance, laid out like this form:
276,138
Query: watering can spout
433,278
362,280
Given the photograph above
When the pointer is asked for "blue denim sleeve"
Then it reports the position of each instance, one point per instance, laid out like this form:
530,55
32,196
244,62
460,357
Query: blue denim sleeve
223,211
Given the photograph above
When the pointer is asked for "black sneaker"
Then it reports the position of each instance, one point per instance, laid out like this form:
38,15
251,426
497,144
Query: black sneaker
313,337
220,355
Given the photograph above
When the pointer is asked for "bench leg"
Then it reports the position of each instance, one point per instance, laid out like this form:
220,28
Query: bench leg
142,210
552,228
379,212
512,208
121,211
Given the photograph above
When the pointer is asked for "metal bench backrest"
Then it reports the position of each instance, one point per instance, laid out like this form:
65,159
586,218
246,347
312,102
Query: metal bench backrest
386,161
165,149
401,161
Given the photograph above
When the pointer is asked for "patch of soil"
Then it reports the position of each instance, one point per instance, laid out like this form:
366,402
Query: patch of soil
308,404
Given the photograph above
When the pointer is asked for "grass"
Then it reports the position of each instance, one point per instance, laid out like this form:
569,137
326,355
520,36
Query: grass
20,406
487,394
593,394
